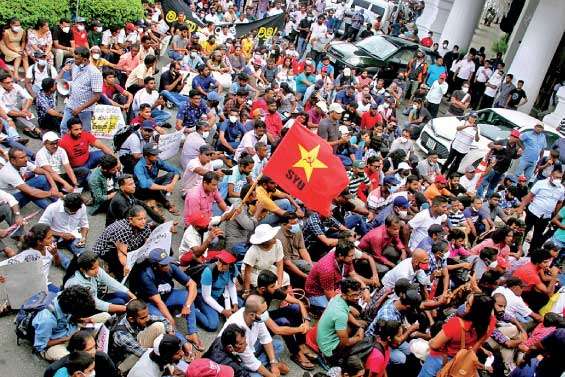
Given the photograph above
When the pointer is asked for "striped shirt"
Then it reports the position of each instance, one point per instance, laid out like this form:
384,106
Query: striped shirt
356,180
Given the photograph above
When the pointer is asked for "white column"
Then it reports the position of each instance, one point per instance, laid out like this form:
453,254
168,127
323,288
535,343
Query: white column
461,23
434,18
537,48
554,119
519,30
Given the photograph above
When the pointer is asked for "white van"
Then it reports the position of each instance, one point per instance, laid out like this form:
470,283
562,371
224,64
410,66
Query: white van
373,8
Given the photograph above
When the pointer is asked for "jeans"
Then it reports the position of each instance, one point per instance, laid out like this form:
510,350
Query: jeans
490,181
431,367
175,55
301,45
174,97
160,116
525,168
116,298
159,195
6,214
355,221
539,225
273,219
345,160
319,301
176,299
290,316
85,119
38,182
12,142
433,108
206,316
82,172
398,355
71,245
262,356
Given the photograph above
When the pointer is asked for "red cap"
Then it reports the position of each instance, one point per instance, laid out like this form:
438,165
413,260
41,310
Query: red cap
200,220
441,179
130,26
226,257
522,178
443,76
208,368
515,133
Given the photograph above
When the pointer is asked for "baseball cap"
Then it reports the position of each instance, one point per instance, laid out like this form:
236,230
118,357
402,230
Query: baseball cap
322,105
336,107
208,368
443,76
213,96
391,180
404,166
148,124
472,114
401,201
160,256
515,133
358,164
205,149
347,71
374,106
200,220
440,179
522,178
151,148
226,257
539,125
130,26
38,54
343,130
50,136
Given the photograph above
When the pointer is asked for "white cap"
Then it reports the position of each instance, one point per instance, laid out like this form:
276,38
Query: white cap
50,136
347,71
404,166
343,130
323,106
156,343
336,107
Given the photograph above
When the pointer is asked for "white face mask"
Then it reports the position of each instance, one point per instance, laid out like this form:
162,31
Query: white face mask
95,56
16,29
66,29
98,29
464,89
80,27
403,214
193,55
385,105
415,107
403,140
205,134
233,118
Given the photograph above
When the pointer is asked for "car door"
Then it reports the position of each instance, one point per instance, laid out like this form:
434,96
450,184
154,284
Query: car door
398,61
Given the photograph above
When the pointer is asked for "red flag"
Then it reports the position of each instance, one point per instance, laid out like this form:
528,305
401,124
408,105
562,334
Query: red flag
305,166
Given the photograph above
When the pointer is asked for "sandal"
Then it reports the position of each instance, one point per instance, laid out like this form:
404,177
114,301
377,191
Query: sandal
32,134
304,364
199,348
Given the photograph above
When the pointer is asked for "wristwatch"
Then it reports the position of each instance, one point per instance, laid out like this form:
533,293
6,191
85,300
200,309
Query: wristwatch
275,361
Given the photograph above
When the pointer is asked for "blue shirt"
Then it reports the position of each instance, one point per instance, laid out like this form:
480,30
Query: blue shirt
533,144
342,97
149,283
329,67
51,323
434,71
190,115
203,82
232,131
222,280
300,87
145,176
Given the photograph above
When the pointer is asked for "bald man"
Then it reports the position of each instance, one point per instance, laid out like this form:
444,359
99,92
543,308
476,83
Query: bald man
252,318
414,269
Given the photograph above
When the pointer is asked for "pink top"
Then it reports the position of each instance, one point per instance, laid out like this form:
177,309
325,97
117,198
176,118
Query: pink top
458,252
199,201
503,251
128,62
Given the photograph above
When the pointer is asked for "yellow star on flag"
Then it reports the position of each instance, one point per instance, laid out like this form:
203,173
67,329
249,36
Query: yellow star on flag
309,161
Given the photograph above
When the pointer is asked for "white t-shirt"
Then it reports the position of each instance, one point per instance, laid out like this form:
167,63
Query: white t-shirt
466,69
515,305
317,30
404,270
55,160
40,75
496,80
133,144
142,97
483,74
464,139
260,259
420,225
145,367
469,185
436,92
10,177
190,179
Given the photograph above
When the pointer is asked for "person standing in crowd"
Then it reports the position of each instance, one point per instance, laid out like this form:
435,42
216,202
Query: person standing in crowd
467,132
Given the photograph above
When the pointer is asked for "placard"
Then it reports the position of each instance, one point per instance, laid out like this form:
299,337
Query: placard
106,120
169,144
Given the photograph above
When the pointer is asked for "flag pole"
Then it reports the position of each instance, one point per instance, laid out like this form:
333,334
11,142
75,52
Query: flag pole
249,192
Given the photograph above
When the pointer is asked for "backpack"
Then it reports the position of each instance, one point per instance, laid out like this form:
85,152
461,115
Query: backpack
465,362
28,311
122,134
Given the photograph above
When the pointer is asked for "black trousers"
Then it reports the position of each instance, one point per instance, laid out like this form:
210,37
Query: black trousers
433,108
478,91
159,195
452,162
539,225
486,102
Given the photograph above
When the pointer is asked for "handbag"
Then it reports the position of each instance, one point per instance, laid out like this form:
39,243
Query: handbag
465,362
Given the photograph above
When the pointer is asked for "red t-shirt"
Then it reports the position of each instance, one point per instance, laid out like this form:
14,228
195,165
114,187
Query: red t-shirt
369,121
80,37
528,273
109,91
259,103
77,149
452,329
377,362
274,124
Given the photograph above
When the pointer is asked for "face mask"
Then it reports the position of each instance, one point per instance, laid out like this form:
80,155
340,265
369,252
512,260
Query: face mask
403,140
95,56
385,105
80,27
66,29
140,30
193,55
464,89
233,118
205,134
444,46
424,266
16,29
263,317
98,29
403,214
295,228
393,189
415,107
42,62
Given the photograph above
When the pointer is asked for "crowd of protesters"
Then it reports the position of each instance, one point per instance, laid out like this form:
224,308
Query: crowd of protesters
418,266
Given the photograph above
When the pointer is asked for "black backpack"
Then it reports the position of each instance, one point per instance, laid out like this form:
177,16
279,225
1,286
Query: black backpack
28,311
122,134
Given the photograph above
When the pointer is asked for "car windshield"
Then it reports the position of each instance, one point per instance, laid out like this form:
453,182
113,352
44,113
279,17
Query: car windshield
494,126
378,46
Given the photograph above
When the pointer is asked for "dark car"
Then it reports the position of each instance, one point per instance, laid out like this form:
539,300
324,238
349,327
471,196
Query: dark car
380,55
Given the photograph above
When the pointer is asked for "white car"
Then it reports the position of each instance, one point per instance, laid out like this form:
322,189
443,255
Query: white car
495,124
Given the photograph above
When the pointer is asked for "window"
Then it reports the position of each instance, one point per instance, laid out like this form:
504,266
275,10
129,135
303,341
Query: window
404,56
378,46
550,138
493,126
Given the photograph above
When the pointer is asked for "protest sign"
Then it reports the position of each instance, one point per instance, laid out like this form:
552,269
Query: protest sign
169,144
103,339
23,280
106,120
160,238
